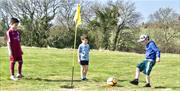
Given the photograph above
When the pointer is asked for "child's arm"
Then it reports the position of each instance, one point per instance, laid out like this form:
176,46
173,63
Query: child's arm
158,60
20,41
78,54
89,48
156,49
8,44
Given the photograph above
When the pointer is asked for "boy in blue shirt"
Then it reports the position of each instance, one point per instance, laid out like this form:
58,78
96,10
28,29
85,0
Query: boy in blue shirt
83,56
152,56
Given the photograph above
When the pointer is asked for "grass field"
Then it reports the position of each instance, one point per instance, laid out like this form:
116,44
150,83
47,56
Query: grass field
50,69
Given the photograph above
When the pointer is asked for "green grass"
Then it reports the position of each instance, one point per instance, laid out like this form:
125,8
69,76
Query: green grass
50,69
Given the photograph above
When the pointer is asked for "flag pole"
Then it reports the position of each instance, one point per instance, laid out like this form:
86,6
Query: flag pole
74,54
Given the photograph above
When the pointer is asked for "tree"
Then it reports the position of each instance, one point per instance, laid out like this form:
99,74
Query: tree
166,21
62,34
3,22
35,16
112,20
128,17
103,22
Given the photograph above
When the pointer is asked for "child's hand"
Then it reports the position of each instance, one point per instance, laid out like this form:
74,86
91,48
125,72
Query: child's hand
11,57
10,54
158,60
78,61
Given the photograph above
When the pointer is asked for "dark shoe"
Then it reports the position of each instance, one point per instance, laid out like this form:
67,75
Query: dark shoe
134,82
83,79
147,85
19,76
86,79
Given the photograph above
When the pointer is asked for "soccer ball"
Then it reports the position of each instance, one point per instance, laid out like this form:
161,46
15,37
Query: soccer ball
111,81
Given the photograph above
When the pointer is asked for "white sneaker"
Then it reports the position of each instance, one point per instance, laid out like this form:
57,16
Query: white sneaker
13,78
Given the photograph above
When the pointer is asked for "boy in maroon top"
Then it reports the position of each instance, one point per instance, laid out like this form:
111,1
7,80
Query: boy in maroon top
14,48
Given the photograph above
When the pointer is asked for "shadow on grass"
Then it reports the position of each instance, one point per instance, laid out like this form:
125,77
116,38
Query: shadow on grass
130,80
108,86
62,80
163,87
51,80
119,85
67,87
160,87
98,80
123,80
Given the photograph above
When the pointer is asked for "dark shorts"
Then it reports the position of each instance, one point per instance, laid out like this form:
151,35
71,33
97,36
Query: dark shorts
14,59
146,66
84,62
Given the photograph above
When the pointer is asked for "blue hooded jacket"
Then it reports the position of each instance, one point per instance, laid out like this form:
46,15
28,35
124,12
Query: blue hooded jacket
152,51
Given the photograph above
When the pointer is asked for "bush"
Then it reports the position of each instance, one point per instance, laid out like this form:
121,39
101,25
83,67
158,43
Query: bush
2,42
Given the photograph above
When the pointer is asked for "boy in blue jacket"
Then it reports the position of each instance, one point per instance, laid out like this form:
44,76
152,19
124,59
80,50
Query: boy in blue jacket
152,56
83,56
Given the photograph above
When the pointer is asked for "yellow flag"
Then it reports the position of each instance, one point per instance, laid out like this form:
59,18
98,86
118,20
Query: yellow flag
77,17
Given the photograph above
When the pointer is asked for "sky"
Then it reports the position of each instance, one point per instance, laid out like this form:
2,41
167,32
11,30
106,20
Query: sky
147,7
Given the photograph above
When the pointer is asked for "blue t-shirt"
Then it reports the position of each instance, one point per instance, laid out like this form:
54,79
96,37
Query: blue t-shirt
84,52
152,51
